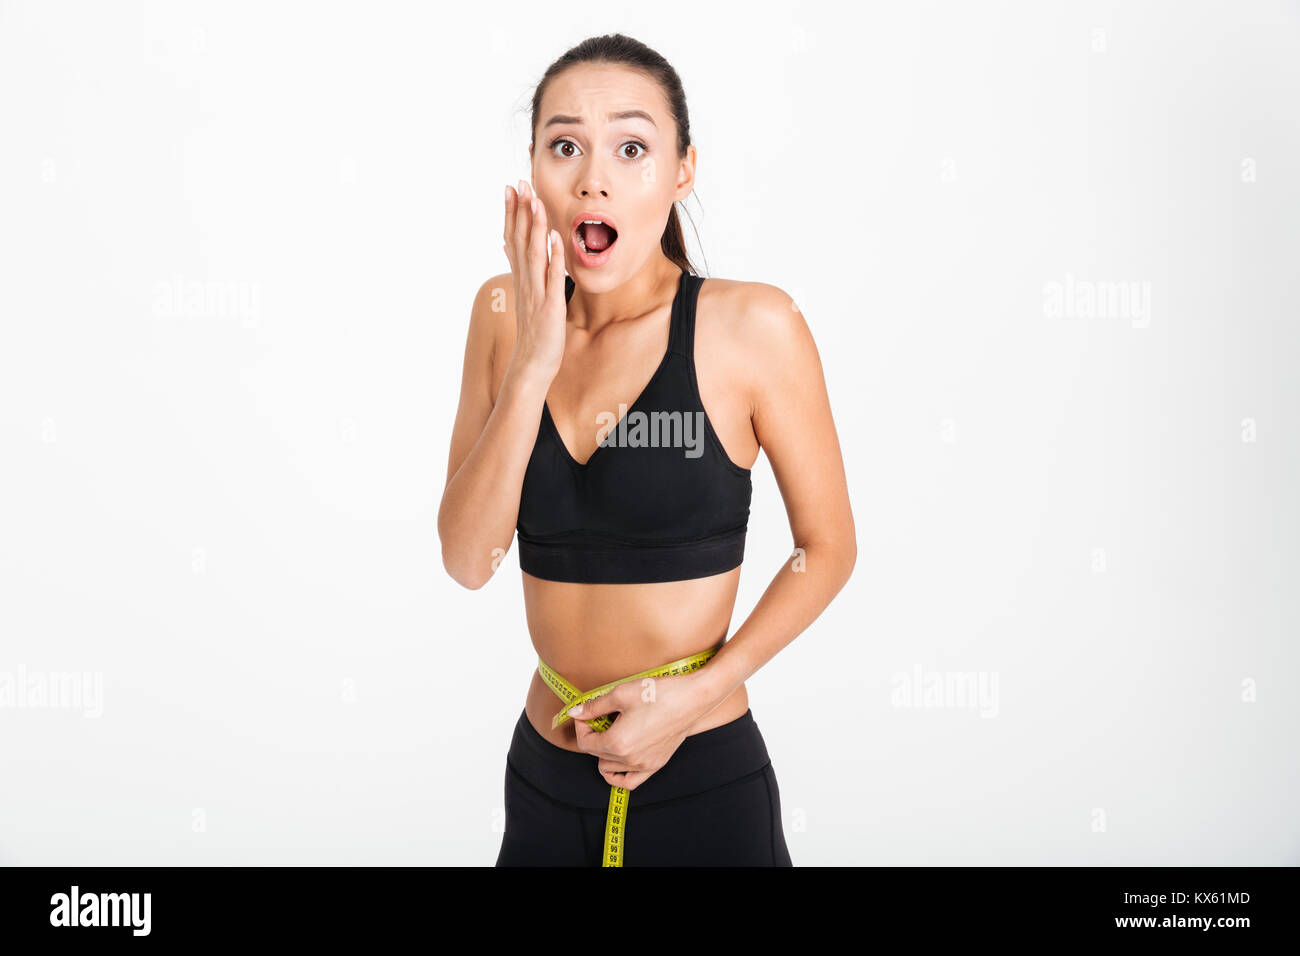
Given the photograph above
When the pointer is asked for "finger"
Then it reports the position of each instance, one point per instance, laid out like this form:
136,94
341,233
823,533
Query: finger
519,240
608,765
555,272
596,742
512,203
586,736
537,238
628,781
582,730
508,234
607,703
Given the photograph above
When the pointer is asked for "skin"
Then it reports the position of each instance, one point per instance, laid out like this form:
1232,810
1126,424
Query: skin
761,383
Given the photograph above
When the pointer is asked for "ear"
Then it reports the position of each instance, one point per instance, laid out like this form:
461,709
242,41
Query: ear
686,174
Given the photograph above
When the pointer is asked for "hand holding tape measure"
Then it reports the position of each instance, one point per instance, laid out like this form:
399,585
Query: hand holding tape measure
616,819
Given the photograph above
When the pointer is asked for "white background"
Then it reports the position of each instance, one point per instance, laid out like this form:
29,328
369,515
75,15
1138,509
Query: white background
224,511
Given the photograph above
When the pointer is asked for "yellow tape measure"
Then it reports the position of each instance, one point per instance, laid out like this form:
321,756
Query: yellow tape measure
616,819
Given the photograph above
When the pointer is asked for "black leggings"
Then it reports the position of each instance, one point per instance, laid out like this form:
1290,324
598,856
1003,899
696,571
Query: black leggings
715,803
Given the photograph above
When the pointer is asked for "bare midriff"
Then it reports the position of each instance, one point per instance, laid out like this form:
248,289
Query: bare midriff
592,634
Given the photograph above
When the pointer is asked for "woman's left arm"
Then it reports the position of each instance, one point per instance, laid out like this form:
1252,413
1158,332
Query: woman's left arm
792,421
791,416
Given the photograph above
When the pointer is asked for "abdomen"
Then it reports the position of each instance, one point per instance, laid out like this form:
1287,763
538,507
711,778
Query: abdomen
596,633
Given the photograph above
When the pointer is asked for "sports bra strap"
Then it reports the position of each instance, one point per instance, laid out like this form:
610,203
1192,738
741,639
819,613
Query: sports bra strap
684,321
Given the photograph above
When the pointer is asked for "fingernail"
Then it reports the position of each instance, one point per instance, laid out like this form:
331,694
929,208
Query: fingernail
575,711
507,194
534,204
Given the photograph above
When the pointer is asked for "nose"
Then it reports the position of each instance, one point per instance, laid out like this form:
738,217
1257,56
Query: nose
592,183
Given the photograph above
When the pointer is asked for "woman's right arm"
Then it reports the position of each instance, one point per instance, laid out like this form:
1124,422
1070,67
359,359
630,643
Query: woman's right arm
493,436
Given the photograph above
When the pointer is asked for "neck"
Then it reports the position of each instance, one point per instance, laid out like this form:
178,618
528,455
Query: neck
641,293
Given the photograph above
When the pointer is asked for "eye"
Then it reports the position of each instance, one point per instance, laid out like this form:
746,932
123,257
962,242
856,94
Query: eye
641,148
556,142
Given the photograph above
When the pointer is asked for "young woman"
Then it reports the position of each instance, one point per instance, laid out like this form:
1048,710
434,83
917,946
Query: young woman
611,417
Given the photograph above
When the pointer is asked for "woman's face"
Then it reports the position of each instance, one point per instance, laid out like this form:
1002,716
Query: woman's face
593,159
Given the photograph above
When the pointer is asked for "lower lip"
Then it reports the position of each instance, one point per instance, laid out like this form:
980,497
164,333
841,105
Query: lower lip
591,259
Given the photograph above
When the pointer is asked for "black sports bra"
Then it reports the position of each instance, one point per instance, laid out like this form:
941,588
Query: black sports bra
659,499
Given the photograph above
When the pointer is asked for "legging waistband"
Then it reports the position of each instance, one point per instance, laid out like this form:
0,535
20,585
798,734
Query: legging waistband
704,761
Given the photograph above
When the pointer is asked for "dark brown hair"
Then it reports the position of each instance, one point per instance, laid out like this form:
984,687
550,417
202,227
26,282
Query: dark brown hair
620,50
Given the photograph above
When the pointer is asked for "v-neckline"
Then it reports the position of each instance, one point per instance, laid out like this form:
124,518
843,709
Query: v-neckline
663,362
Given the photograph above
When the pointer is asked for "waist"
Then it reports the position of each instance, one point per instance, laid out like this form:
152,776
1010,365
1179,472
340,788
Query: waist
703,761
541,705
593,634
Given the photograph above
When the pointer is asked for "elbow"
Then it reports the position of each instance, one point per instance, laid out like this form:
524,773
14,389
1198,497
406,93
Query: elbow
465,573
459,565
470,582
847,556
835,557
466,578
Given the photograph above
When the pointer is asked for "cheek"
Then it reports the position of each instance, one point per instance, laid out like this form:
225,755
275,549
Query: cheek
551,195
547,189
645,177
551,186
649,198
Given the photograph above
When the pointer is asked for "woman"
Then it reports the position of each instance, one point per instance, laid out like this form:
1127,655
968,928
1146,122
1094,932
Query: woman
611,417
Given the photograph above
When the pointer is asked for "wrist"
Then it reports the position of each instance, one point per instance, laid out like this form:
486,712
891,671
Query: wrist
528,377
713,684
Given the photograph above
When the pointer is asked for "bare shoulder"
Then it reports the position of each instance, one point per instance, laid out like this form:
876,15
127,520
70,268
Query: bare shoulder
496,297
492,321
759,323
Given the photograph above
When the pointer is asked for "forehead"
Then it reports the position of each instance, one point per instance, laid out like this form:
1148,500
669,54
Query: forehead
591,91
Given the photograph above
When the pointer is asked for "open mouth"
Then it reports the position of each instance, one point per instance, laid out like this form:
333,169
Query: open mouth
594,236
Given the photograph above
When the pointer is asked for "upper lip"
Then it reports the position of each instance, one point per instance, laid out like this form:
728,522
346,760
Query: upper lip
582,217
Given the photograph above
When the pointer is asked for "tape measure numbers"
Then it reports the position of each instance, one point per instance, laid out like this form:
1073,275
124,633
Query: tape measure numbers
616,818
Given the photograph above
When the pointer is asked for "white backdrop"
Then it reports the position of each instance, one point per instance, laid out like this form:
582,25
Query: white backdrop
1048,253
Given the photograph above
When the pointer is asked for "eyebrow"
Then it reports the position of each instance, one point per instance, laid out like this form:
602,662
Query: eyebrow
560,118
